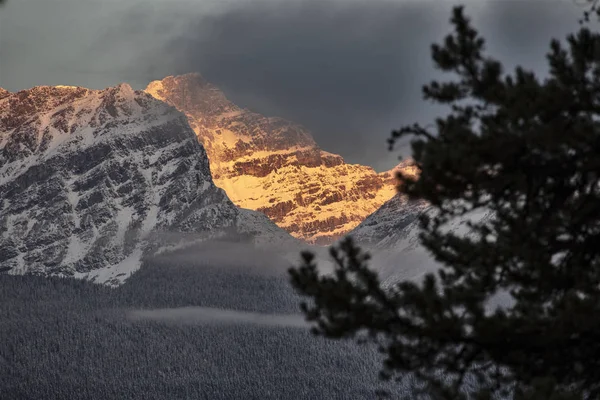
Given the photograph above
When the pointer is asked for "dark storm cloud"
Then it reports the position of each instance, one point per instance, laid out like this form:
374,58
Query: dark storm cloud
350,71
347,71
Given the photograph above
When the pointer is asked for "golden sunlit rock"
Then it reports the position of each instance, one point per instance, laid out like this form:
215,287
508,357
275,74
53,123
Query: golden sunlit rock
275,166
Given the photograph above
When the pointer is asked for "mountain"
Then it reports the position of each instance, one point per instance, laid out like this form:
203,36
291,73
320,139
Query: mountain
393,226
274,166
93,180
391,235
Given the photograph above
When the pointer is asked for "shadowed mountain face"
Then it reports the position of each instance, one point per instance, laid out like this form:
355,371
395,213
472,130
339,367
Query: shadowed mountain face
274,166
394,225
392,235
88,177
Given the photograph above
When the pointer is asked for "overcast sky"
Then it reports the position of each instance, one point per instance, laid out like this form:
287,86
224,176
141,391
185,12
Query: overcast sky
349,70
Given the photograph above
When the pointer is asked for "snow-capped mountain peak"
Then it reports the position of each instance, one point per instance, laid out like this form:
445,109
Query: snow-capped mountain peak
88,176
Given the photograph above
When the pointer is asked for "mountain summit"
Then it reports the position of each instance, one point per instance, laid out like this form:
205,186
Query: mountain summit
274,166
92,180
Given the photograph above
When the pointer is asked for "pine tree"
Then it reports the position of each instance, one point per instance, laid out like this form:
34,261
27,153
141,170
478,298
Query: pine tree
527,151
592,8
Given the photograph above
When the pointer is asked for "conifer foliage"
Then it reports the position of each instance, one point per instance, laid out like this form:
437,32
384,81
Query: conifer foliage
592,8
526,151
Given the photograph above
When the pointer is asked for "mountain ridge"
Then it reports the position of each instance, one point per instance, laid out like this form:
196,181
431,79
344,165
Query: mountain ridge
88,176
274,166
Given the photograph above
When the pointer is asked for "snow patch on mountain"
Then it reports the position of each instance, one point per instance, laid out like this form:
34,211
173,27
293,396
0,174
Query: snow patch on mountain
393,225
391,236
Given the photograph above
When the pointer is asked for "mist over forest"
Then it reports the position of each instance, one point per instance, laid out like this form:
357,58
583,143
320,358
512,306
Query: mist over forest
186,326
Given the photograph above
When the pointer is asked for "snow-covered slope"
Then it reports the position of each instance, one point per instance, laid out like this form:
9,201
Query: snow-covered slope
274,166
393,225
92,180
391,235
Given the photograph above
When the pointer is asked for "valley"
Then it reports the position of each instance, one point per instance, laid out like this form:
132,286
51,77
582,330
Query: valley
77,340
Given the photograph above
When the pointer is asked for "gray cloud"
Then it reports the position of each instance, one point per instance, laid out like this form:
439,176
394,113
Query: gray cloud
217,316
189,248
346,71
350,71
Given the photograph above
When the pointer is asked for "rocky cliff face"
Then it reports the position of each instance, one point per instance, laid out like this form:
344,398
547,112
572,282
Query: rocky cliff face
4,93
91,181
274,166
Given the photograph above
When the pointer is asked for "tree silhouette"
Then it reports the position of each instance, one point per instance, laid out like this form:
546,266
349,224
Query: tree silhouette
526,152
592,7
